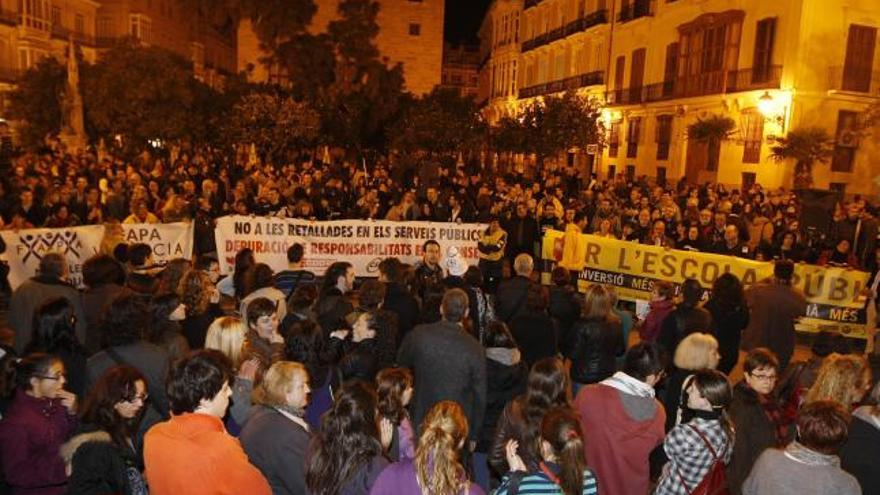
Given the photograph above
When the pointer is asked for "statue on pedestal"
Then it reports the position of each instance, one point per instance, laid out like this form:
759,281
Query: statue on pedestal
73,130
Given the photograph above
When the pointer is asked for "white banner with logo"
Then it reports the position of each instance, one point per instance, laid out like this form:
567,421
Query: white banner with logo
25,248
363,243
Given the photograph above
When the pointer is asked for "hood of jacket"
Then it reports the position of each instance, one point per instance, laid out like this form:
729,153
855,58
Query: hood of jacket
69,448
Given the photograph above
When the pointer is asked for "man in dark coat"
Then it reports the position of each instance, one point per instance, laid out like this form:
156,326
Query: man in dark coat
522,233
775,307
447,363
512,293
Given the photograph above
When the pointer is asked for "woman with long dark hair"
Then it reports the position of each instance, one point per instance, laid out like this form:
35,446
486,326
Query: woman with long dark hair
102,456
563,468
40,418
694,447
395,389
165,330
54,332
547,387
436,469
345,458
730,316
233,285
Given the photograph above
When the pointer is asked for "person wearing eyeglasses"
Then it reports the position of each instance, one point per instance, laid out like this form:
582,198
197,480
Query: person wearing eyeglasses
102,456
762,420
40,418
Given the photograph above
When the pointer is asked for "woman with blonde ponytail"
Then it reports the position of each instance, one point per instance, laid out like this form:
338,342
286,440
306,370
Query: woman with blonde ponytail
436,469
562,470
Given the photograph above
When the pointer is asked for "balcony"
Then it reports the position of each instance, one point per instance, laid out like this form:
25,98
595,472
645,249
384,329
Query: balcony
698,85
853,81
635,10
561,85
573,27
62,33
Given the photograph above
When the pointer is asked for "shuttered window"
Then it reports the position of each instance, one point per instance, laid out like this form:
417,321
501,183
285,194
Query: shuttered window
664,136
764,39
860,44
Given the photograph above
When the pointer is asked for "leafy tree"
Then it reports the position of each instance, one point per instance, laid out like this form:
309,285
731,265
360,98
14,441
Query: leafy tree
712,131
558,123
274,123
142,94
366,95
37,101
440,122
805,146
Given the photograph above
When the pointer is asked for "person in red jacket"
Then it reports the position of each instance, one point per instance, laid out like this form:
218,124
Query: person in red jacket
192,453
622,422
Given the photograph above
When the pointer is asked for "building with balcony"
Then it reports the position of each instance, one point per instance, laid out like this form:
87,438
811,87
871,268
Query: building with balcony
460,69
174,26
769,66
410,33
500,45
31,30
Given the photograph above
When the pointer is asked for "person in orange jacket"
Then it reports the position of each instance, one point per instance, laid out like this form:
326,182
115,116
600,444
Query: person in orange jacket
192,453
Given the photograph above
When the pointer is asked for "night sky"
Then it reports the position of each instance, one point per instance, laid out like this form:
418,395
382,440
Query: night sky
463,18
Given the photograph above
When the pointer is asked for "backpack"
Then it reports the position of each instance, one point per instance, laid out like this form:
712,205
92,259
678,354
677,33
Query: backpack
715,480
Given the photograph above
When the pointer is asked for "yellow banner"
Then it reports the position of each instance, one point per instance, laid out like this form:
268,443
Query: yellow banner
834,294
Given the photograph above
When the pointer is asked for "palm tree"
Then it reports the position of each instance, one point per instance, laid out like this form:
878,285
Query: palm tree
712,130
806,146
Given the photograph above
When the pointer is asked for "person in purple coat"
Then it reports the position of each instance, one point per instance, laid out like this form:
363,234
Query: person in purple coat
40,418
436,468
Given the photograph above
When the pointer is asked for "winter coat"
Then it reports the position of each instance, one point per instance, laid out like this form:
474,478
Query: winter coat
774,307
399,301
727,327
506,377
755,433
277,446
860,455
536,335
510,300
31,434
448,364
97,465
681,322
95,302
400,479
593,349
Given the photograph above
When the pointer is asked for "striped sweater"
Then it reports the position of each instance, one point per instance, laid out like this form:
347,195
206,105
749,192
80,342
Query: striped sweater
539,484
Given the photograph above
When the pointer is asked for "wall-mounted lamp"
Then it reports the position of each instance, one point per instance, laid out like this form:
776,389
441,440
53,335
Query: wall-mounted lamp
773,110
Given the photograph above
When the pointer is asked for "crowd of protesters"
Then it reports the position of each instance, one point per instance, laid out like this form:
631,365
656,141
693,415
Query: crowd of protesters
436,378
424,381
51,190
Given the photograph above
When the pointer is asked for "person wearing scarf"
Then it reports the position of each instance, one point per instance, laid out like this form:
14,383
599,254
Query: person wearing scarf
275,436
761,421
808,465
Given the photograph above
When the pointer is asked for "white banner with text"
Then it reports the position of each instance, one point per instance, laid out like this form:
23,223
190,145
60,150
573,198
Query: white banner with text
363,243
25,248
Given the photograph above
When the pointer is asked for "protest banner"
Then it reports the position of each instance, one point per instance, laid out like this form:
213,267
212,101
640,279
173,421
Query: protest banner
834,295
363,243
25,248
